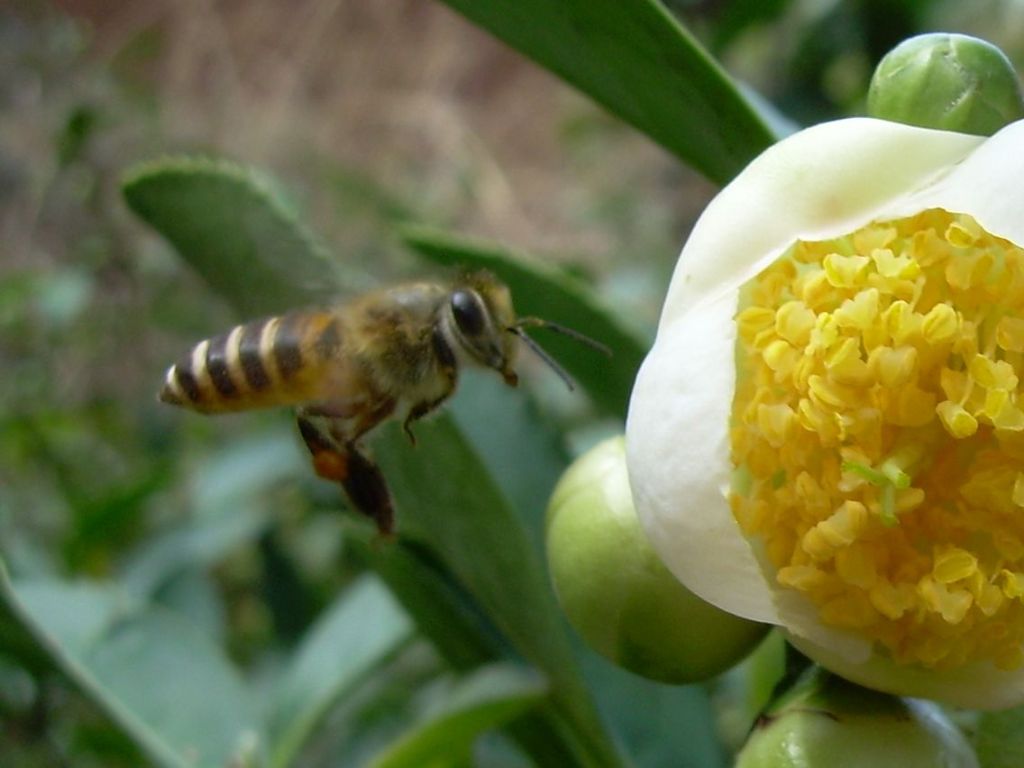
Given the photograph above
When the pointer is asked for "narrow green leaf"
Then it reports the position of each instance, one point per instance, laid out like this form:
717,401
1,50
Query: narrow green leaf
446,499
541,291
444,613
636,60
522,450
228,222
488,699
361,631
999,738
159,679
461,632
659,725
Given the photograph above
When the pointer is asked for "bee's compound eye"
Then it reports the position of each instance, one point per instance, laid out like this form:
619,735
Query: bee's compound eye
468,312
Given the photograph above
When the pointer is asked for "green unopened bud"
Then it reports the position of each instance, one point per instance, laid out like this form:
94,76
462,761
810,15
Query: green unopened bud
616,591
825,720
951,82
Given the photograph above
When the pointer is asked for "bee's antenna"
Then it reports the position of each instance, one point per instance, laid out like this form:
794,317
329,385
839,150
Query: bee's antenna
537,322
537,349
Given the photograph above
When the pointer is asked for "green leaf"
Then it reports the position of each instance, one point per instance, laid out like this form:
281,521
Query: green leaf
445,614
488,699
230,224
634,58
542,291
460,631
660,725
229,503
157,677
362,630
999,738
447,500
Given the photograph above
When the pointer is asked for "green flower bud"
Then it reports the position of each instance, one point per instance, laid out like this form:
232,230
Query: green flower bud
825,720
616,591
949,82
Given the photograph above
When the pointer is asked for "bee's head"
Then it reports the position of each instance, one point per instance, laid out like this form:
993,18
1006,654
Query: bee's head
478,317
480,320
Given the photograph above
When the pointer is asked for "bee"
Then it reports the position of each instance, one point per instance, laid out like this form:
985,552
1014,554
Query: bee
348,368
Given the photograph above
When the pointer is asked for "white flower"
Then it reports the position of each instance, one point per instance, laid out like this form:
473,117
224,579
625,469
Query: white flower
828,434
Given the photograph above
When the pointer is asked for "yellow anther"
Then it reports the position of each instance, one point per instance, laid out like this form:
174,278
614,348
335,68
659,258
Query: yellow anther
1010,334
954,384
891,600
956,420
826,331
1013,584
816,290
780,356
1010,418
908,499
954,564
870,238
803,577
893,367
959,235
860,312
845,365
814,419
776,423
753,320
845,271
829,394
840,529
902,322
940,324
995,401
794,322
992,373
896,267
951,604
987,596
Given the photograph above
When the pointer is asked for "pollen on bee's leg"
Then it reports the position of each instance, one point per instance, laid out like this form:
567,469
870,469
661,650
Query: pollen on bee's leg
878,435
331,465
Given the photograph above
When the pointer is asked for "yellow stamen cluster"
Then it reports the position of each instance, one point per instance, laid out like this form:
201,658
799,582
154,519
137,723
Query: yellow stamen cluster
878,435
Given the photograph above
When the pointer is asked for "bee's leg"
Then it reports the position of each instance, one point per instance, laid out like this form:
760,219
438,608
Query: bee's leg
329,460
368,490
346,423
342,462
417,412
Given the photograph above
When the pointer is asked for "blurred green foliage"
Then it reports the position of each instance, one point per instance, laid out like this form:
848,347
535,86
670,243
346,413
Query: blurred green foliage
182,586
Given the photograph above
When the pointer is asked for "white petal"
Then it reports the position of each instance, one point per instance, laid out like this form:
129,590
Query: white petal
987,185
677,449
820,183
979,685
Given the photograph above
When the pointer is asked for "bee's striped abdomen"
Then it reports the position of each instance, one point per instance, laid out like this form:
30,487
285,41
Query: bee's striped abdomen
262,363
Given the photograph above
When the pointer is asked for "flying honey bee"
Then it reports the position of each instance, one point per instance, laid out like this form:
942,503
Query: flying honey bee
348,368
